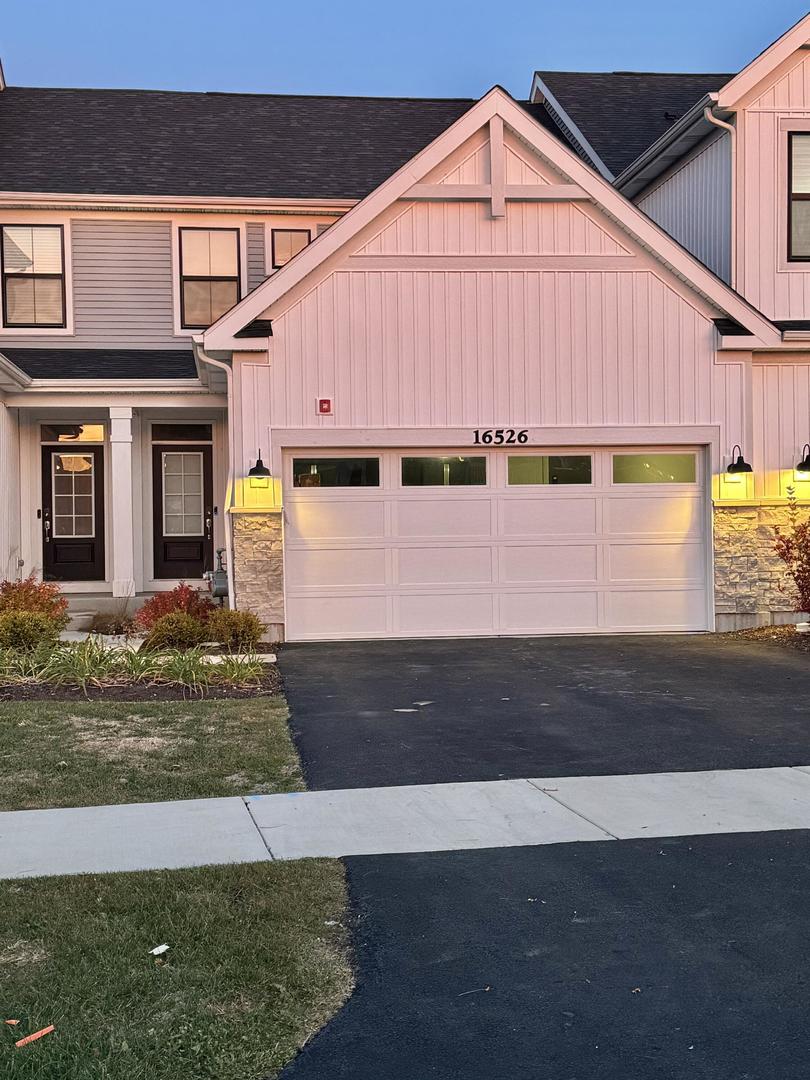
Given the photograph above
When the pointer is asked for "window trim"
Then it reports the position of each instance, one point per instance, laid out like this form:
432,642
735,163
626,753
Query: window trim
14,327
273,264
237,229
791,196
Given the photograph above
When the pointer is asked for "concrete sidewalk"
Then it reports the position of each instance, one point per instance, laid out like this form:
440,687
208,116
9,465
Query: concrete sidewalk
419,818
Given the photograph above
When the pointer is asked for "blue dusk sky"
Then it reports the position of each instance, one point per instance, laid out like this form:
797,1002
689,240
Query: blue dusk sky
425,48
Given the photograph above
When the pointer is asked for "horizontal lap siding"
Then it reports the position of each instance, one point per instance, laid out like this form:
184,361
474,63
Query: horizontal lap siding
255,256
122,287
693,204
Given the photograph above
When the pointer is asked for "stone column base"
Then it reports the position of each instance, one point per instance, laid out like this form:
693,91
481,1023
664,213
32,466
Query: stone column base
258,568
751,585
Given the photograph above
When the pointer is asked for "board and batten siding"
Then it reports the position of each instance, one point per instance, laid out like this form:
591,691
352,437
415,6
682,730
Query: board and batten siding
778,288
606,337
693,204
122,287
255,242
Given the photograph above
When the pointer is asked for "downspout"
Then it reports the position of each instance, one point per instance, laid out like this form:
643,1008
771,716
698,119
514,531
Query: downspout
708,113
230,482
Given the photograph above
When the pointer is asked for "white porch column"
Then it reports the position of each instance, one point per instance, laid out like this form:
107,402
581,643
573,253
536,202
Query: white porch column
121,509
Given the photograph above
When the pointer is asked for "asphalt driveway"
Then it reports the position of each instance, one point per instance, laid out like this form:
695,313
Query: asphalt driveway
367,714
684,959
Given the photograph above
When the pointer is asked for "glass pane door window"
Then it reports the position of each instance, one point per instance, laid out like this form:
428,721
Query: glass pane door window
182,493
73,480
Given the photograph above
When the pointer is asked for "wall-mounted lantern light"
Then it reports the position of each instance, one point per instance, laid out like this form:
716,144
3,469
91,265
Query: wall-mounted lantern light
802,470
738,465
259,475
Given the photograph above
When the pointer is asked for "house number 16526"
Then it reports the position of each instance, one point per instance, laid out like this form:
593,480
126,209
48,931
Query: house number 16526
500,436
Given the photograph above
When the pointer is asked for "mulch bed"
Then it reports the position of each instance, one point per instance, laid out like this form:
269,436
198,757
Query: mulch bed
786,637
269,684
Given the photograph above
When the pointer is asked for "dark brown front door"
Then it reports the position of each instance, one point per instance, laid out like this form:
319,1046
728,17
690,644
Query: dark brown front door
73,513
183,510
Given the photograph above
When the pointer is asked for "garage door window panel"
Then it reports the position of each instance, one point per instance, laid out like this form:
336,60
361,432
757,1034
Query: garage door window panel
654,469
336,472
533,469
444,471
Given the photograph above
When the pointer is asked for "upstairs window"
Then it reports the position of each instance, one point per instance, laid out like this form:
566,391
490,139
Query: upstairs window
799,205
287,243
209,275
32,259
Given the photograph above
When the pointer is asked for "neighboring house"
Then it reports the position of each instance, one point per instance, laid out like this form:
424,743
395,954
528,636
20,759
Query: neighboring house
498,394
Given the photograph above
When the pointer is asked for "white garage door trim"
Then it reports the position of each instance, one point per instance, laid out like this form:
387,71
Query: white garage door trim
494,559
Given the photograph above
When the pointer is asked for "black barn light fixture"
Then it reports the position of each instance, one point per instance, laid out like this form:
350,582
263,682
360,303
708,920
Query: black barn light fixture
259,475
738,465
802,470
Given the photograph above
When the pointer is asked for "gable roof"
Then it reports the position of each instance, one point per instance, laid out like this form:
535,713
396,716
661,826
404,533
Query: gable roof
148,142
621,113
221,335
764,64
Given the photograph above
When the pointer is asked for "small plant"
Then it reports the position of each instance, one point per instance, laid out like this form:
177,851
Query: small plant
111,624
177,630
237,631
238,671
25,631
36,597
793,548
181,600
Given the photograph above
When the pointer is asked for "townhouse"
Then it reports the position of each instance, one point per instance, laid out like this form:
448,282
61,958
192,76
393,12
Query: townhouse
421,367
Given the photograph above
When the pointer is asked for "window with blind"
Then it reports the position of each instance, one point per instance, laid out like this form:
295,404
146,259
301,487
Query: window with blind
286,243
209,275
32,258
799,204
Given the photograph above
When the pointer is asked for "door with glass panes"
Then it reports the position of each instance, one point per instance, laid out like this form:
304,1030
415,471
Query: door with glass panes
73,513
183,511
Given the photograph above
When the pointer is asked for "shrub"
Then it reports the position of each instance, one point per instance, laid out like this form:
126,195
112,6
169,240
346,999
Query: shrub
181,600
36,597
237,631
793,548
177,630
28,630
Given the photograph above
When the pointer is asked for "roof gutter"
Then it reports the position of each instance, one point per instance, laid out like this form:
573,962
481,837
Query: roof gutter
229,485
681,137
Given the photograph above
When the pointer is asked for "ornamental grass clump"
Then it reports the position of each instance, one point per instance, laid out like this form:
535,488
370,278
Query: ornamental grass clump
793,548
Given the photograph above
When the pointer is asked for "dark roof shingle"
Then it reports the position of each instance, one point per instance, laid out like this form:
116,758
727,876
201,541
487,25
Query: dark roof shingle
58,363
154,142
621,113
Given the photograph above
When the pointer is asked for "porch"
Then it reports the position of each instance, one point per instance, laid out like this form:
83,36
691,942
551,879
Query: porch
118,501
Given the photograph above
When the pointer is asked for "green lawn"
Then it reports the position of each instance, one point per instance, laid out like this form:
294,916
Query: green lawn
258,963
91,753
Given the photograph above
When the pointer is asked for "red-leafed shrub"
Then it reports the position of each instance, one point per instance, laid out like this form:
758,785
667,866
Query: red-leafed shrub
37,597
793,548
183,599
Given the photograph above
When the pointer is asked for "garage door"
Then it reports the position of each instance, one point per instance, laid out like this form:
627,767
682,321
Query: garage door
409,543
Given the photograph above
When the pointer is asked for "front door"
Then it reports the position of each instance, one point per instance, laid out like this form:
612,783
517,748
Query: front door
183,510
73,513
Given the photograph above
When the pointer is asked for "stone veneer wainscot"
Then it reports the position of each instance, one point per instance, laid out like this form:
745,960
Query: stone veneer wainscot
259,568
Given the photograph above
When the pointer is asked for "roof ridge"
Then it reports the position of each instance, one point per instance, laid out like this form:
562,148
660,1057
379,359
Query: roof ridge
675,74
242,93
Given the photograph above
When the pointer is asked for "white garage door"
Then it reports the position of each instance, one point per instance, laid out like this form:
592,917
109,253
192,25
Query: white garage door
408,544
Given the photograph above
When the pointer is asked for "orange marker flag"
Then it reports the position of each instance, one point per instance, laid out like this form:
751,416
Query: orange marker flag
37,1035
